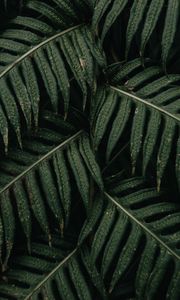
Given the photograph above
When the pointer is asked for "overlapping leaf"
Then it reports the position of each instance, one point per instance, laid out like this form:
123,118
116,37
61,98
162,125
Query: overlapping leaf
142,22
38,179
136,240
36,54
145,103
30,271
59,271
129,245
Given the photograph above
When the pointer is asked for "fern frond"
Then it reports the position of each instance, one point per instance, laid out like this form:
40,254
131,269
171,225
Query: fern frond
136,15
99,10
62,270
21,184
153,102
37,178
117,8
37,269
103,118
162,236
136,238
92,220
61,12
169,30
37,48
142,23
178,162
87,154
152,16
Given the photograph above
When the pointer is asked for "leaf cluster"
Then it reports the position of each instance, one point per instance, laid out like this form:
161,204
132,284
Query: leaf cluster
90,150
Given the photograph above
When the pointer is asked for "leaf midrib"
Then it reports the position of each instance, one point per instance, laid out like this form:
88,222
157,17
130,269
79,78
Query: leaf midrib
136,98
38,286
142,226
44,157
35,48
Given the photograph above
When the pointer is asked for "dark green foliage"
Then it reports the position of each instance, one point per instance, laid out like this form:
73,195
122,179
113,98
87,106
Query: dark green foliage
90,150
150,100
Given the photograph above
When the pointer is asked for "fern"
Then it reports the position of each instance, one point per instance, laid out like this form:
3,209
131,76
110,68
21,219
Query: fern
141,12
146,93
50,272
89,156
29,182
23,51
141,225
33,269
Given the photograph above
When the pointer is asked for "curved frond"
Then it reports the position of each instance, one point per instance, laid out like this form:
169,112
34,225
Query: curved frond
38,179
143,21
59,271
136,238
29,273
34,55
151,101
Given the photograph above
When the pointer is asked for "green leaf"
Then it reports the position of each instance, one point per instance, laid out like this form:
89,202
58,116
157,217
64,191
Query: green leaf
126,255
49,187
157,85
10,109
8,225
60,72
33,276
79,172
178,162
94,46
92,271
119,124
117,235
23,208
153,105
89,158
33,24
141,77
99,11
117,8
32,88
136,15
48,77
34,181
126,184
33,55
85,59
152,16
151,138
165,149
104,118
67,46
63,179
140,233
21,94
137,133
145,267
48,11
37,202
102,232
80,282
169,29
64,287
4,128
92,220
125,70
